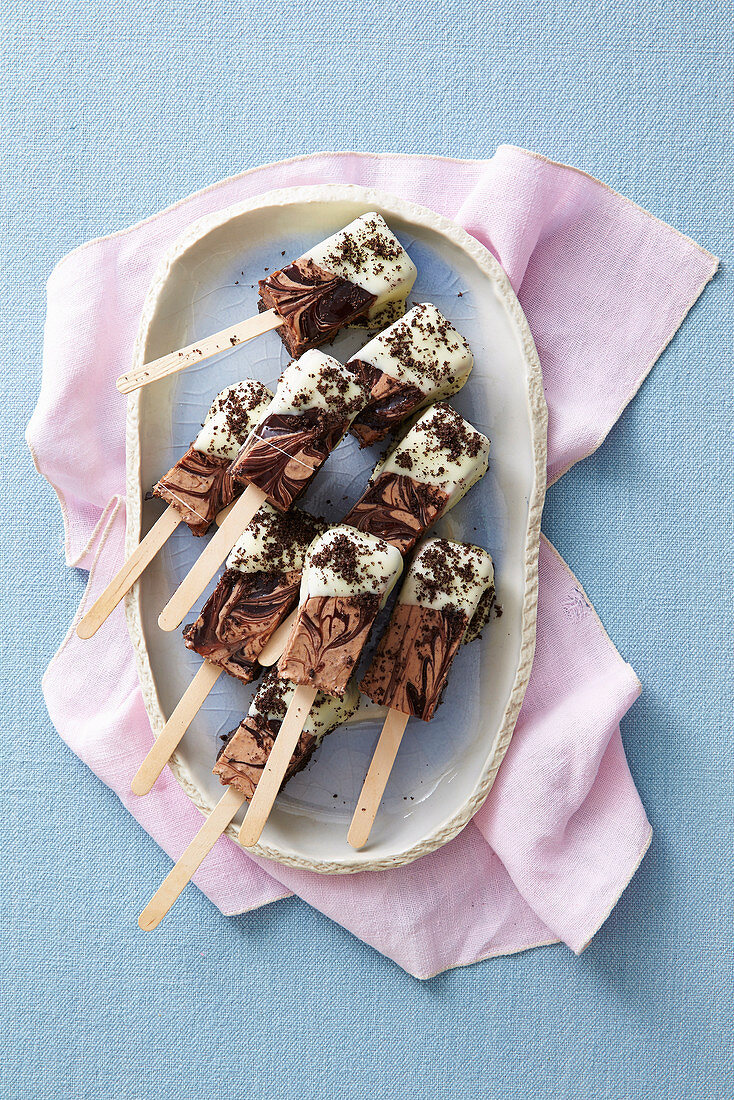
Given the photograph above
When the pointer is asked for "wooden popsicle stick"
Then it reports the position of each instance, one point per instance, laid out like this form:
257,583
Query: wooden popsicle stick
196,353
276,765
143,554
168,739
192,858
272,652
210,559
377,777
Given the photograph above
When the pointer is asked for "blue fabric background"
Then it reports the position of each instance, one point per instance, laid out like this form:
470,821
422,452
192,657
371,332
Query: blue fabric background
110,111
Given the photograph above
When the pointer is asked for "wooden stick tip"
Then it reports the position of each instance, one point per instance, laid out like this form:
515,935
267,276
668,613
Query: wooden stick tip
167,621
140,787
83,630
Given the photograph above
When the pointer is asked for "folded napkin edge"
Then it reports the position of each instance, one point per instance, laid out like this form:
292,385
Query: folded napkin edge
616,892
647,368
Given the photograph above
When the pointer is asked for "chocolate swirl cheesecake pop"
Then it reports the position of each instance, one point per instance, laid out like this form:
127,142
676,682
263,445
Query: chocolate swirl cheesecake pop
448,590
200,485
417,360
257,590
196,488
347,577
361,273
240,765
424,475
314,405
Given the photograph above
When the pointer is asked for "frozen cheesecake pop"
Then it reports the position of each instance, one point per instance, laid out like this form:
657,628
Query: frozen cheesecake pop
347,577
424,475
196,488
361,272
446,583
417,360
199,485
242,758
448,588
314,405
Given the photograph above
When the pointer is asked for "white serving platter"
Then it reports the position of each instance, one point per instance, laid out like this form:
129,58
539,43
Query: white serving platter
445,768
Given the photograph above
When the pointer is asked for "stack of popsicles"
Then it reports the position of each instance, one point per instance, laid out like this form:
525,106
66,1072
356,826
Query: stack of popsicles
255,456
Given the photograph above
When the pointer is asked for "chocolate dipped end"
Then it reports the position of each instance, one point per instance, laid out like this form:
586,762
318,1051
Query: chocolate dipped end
390,403
397,509
239,617
327,639
313,303
411,664
241,760
285,452
199,486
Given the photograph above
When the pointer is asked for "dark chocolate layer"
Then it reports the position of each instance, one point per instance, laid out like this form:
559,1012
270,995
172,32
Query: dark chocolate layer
241,761
287,450
239,617
411,664
327,640
198,487
313,303
389,404
397,509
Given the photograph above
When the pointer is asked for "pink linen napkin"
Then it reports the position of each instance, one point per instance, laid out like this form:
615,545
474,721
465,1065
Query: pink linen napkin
604,286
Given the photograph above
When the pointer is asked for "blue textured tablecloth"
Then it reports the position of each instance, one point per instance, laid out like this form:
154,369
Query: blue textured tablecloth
108,115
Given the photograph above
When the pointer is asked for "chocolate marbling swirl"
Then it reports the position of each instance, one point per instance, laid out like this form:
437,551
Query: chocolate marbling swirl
198,487
313,303
239,617
326,641
286,452
390,402
241,761
411,664
397,509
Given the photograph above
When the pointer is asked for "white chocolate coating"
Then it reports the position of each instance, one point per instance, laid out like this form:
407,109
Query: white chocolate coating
369,255
424,455
245,402
325,715
315,381
424,350
448,574
264,548
378,565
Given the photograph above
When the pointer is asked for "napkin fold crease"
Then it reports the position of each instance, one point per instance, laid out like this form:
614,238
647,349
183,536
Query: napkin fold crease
604,285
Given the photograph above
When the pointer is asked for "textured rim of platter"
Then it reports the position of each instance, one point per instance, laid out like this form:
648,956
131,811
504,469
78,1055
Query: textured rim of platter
419,215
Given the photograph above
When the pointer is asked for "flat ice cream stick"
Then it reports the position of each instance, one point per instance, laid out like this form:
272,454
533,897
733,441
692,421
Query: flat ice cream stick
276,766
168,739
210,559
144,553
377,777
196,353
199,848
273,651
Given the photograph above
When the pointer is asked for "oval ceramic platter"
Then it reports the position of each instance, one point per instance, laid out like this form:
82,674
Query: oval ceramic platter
445,768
